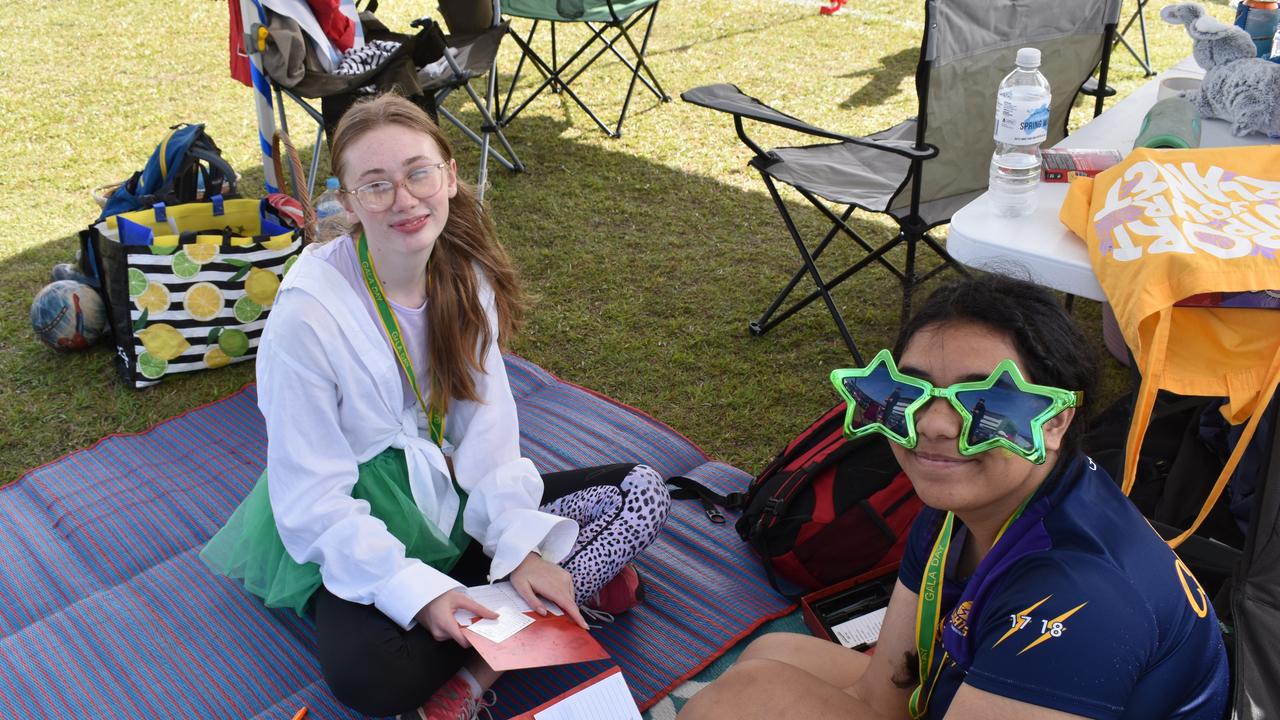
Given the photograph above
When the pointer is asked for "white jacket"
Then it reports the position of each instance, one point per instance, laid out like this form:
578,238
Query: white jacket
330,389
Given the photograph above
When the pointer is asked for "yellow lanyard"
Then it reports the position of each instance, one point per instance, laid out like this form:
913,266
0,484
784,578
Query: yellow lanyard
929,606
435,419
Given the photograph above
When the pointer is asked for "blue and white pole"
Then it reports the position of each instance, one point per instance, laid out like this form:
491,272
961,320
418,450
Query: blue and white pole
252,17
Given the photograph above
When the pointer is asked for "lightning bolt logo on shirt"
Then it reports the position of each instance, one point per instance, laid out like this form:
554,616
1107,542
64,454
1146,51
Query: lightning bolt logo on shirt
1049,629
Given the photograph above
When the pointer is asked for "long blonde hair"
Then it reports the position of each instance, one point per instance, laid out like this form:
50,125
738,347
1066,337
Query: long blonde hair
457,329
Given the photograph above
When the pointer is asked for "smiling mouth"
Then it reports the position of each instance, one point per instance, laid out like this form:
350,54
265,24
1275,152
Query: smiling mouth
941,460
411,224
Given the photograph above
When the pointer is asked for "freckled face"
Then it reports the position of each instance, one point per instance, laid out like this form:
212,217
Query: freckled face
390,152
945,354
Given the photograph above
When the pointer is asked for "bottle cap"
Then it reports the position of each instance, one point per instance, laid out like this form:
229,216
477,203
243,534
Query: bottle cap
333,184
1028,57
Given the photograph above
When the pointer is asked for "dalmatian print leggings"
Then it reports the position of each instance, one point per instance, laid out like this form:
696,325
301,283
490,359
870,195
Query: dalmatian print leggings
619,510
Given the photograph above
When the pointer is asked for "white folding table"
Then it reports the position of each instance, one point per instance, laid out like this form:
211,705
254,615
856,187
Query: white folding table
1039,244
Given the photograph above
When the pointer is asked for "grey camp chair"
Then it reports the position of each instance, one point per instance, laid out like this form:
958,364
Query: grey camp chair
924,169
471,56
609,24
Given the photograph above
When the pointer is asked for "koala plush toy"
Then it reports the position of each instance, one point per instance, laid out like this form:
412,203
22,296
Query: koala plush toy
1238,86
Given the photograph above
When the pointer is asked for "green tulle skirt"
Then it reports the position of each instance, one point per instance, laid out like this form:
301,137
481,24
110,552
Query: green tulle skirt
248,547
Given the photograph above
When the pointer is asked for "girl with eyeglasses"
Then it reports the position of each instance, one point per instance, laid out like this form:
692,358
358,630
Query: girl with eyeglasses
1030,588
394,476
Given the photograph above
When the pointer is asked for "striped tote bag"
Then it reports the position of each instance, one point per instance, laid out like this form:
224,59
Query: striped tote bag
189,287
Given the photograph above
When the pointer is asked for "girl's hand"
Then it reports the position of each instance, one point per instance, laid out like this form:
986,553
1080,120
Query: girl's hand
536,578
437,616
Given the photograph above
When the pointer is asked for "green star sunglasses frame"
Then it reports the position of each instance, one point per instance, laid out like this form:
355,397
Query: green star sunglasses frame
1004,410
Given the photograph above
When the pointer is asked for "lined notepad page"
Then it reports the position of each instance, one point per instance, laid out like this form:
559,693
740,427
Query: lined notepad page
608,699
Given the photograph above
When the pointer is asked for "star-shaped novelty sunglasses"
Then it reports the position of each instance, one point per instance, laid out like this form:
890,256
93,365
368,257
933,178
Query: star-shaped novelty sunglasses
1004,410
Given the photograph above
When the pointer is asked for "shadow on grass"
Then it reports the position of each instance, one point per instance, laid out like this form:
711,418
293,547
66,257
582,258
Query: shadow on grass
885,79
648,301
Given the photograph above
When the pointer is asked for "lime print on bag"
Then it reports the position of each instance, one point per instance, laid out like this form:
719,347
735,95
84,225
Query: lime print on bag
193,284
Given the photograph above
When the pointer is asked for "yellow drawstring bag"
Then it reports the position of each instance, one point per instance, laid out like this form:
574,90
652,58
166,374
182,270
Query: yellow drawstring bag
1167,231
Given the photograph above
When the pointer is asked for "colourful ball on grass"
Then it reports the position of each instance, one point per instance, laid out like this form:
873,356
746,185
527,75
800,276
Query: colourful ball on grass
67,315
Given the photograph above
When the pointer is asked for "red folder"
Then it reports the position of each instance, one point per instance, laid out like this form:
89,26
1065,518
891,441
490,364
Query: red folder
550,640
529,715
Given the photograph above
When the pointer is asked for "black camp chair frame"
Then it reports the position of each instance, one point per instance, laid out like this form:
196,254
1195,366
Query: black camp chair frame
486,106
1140,18
913,228
913,231
553,73
488,124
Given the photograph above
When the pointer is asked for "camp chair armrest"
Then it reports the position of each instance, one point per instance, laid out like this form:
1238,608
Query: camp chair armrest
728,98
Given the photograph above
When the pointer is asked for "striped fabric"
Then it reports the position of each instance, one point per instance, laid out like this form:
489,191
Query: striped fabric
109,612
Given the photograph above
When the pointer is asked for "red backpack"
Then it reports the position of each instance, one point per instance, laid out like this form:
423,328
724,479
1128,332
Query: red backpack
824,510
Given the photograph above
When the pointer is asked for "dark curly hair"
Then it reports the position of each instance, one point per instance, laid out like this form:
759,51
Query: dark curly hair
1054,351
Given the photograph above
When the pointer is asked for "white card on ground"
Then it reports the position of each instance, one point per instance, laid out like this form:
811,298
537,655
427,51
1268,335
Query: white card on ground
509,622
501,594
608,699
862,630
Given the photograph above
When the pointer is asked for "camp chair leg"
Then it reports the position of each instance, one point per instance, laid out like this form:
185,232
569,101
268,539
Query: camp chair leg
488,125
1140,18
553,77
764,324
914,233
840,224
491,99
556,74
651,81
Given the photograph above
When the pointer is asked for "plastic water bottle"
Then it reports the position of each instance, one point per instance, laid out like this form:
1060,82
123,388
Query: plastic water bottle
1022,123
329,211
328,203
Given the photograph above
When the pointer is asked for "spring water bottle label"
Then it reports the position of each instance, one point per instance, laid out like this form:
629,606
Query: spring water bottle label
1022,121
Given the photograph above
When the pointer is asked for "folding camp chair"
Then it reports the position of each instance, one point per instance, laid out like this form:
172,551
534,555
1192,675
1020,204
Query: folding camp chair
600,17
420,68
293,59
924,169
471,56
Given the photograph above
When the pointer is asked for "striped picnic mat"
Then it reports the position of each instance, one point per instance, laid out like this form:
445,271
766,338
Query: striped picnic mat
108,611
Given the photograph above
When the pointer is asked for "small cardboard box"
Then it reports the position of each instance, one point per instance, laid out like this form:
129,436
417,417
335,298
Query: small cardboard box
845,600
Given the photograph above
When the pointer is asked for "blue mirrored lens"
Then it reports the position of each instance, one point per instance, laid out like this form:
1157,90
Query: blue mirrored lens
1003,411
880,398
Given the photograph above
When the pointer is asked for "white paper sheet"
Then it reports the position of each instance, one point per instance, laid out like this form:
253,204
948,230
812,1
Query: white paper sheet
862,630
508,623
608,699
498,595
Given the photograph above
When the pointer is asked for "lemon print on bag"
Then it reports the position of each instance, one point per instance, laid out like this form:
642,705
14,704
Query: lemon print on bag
201,252
187,261
261,285
162,341
288,265
215,357
203,301
154,299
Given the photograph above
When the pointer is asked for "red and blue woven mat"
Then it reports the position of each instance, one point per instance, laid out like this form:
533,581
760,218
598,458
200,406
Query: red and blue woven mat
108,611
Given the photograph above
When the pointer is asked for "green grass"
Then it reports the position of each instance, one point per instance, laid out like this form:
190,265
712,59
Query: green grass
648,254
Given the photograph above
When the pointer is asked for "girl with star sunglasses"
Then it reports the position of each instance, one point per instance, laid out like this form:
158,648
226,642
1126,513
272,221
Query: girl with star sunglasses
1030,587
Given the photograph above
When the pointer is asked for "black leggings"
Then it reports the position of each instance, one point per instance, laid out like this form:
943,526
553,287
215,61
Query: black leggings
377,668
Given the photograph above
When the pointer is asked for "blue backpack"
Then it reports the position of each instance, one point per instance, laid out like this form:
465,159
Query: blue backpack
185,163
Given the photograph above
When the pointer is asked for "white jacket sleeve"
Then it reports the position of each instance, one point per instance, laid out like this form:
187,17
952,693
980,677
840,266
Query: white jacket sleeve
311,470
503,489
